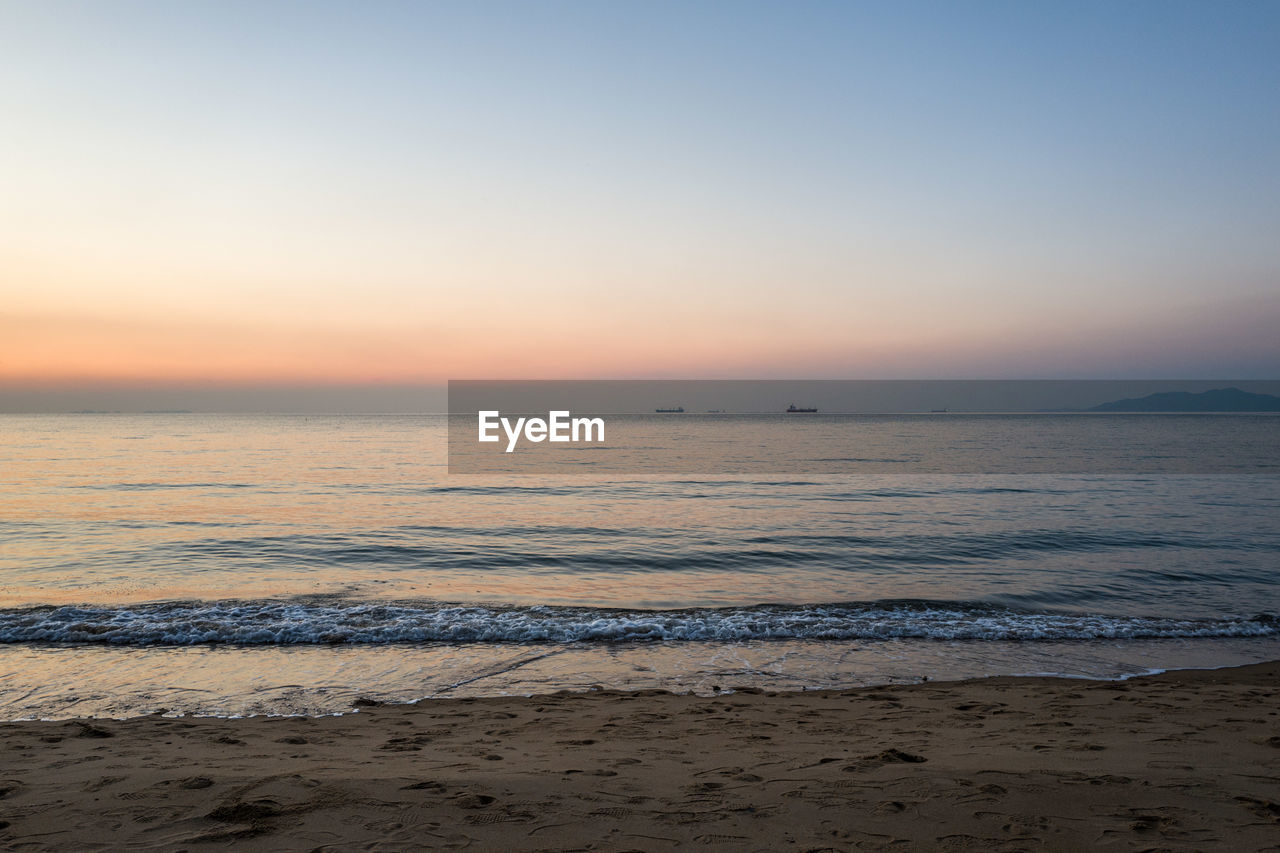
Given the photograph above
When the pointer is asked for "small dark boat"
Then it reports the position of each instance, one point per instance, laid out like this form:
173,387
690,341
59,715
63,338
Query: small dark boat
793,410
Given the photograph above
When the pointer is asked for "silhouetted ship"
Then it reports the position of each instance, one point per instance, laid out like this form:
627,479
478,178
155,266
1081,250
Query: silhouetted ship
793,410
678,410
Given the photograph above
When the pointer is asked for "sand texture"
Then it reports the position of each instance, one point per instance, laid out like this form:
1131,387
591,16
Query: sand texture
1181,761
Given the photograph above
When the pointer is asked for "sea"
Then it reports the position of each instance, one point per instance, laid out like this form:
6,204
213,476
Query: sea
232,565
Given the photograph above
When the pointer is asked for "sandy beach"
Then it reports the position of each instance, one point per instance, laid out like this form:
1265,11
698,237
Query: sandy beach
1180,761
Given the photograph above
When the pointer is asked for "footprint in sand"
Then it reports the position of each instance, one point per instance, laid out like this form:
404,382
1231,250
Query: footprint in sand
889,756
611,812
102,783
473,801
1262,808
246,812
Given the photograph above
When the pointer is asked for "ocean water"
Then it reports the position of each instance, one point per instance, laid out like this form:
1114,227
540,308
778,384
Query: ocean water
221,564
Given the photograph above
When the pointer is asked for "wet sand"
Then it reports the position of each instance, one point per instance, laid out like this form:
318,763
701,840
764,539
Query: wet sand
1180,761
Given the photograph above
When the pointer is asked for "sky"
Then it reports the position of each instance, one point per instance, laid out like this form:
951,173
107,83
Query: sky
386,195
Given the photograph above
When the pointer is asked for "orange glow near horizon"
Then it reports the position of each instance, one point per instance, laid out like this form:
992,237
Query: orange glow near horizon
61,351
52,351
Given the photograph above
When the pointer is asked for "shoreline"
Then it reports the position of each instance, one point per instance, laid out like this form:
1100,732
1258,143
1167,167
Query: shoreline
108,682
364,703
1183,759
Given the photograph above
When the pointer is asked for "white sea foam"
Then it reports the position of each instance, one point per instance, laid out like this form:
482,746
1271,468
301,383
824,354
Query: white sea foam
276,622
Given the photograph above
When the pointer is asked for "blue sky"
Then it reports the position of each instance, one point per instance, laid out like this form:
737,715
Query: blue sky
403,192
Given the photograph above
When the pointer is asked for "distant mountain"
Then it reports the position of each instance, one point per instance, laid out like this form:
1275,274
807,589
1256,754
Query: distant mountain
1218,400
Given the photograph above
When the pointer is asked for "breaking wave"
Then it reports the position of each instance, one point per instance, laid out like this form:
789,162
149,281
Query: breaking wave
296,622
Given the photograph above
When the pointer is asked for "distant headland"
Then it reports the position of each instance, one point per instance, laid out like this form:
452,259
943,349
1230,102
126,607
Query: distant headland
1217,400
